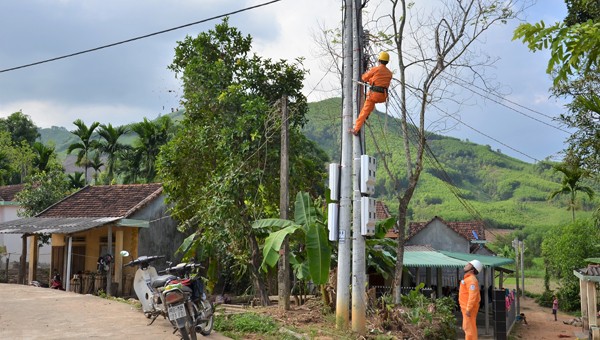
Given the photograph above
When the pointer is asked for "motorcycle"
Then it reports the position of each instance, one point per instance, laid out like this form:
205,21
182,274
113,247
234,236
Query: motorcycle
146,283
188,287
178,298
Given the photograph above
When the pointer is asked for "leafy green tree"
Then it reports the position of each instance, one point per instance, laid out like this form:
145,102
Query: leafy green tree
571,184
221,169
85,144
566,250
110,146
151,136
17,159
41,190
20,127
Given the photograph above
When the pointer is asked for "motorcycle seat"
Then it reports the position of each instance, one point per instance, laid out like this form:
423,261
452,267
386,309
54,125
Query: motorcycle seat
162,280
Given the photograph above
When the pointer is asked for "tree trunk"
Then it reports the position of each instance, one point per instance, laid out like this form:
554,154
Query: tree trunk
257,279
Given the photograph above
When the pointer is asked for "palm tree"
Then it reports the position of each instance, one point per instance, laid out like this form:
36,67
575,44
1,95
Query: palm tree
110,145
76,180
130,165
96,164
85,144
570,185
42,155
152,135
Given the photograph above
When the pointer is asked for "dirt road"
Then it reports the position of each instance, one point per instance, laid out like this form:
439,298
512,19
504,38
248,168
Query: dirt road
541,324
28,312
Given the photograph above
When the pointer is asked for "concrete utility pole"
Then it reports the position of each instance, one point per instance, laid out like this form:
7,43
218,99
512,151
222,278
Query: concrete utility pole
283,273
359,265
343,274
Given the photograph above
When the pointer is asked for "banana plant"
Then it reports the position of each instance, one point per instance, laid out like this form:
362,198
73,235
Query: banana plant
310,250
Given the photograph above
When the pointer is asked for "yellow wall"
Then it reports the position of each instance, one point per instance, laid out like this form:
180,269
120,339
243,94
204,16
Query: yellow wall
92,243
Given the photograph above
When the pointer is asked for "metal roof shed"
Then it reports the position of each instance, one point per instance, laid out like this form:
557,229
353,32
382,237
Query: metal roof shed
486,260
431,258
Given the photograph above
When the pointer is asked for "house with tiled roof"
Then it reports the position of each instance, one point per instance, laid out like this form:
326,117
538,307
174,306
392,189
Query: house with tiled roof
462,237
104,219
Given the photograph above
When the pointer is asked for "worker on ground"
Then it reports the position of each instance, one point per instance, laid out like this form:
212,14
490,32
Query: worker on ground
469,298
379,78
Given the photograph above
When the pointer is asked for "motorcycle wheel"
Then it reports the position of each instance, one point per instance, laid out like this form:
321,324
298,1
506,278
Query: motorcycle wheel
205,313
188,332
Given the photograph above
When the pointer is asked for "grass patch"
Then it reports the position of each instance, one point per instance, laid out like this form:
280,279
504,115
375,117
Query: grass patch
241,326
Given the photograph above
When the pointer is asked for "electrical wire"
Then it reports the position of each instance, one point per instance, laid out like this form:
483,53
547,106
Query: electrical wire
139,37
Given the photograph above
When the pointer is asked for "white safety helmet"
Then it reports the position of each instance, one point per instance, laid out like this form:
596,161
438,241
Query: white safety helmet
477,265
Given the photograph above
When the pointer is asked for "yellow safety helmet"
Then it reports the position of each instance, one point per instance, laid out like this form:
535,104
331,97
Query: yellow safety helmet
384,56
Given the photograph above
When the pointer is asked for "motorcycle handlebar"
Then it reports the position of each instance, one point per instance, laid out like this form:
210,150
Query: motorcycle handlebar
143,260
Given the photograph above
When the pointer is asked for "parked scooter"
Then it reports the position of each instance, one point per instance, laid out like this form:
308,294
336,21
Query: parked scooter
146,283
189,283
178,298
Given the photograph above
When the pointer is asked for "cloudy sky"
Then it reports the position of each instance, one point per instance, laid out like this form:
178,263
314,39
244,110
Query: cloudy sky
127,82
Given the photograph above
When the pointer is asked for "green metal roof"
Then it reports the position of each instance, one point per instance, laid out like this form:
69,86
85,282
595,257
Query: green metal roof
486,260
431,259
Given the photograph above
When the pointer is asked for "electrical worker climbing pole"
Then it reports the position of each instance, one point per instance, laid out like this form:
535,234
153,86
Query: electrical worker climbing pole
469,298
379,78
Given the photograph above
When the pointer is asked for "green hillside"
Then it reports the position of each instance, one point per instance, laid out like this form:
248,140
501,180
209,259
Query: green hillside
504,191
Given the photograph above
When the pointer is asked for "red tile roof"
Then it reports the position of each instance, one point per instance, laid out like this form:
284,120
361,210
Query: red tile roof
105,201
8,192
381,211
464,229
592,270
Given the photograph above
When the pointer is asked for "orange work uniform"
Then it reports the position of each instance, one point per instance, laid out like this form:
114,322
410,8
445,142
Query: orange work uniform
469,298
379,77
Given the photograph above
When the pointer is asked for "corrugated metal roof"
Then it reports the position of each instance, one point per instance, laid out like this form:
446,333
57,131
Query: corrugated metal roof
48,225
486,260
431,259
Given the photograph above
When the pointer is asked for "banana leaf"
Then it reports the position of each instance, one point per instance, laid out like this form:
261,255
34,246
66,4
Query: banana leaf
319,253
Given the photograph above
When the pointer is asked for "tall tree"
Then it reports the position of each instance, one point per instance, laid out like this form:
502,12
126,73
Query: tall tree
571,183
20,127
151,136
110,146
221,168
85,144
432,53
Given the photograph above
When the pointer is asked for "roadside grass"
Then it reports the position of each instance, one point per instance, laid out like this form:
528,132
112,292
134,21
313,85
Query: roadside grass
133,302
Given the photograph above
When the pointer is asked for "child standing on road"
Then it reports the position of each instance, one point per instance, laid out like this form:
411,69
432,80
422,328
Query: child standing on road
554,306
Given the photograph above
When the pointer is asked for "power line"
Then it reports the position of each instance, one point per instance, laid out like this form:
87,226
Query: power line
508,107
140,37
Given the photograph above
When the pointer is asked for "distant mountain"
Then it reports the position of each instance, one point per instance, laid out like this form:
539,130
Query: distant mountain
461,180
471,180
